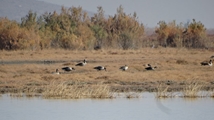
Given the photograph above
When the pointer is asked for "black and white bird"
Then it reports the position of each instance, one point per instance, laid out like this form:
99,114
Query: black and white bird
124,68
150,67
82,63
210,63
99,68
67,69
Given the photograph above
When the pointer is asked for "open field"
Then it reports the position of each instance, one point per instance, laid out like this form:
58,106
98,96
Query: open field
31,71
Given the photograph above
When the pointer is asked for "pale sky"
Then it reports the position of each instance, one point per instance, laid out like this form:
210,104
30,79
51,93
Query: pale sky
150,12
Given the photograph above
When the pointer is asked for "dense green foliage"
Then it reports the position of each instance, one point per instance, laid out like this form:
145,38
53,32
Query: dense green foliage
73,29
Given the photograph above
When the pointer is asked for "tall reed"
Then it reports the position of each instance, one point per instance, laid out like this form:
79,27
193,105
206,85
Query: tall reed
192,90
163,92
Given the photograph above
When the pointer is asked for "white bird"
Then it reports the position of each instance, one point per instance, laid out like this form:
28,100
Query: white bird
99,68
82,63
124,68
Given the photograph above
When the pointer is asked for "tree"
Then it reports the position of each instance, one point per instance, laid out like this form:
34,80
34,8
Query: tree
13,37
122,25
195,35
173,35
98,24
29,21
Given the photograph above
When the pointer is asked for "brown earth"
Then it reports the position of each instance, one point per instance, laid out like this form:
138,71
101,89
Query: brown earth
176,68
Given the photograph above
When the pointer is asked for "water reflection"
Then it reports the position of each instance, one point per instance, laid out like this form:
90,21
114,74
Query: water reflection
146,107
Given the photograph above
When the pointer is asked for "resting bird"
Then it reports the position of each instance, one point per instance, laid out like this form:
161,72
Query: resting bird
124,68
99,68
150,67
147,65
57,72
68,69
81,63
210,63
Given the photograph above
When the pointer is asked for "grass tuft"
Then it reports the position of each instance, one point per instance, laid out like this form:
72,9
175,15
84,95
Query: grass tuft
130,95
192,90
162,92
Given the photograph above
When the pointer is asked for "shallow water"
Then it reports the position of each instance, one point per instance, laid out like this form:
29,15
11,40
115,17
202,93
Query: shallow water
146,107
31,62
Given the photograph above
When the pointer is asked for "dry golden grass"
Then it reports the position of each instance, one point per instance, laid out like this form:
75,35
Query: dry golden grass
162,92
192,90
76,91
177,65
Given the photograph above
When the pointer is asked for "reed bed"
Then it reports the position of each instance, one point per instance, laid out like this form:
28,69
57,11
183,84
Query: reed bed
162,92
192,90
76,91
23,91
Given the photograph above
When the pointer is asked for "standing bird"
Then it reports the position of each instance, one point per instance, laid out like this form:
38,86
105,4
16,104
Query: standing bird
99,68
81,63
150,67
67,69
210,63
124,68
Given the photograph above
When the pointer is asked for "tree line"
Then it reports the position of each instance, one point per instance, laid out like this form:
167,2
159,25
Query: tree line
73,29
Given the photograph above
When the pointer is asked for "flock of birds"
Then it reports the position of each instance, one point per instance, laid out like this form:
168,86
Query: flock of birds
123,68
99,68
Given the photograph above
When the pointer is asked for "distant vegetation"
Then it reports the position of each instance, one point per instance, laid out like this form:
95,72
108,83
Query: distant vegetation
73,29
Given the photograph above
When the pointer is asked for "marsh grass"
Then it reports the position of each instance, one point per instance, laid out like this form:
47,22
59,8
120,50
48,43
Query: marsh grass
24,91
76,91
130,95
192,90
32,91
16,95
212,94
162,92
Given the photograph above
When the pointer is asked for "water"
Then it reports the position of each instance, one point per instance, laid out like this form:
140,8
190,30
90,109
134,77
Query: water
32,62
144,108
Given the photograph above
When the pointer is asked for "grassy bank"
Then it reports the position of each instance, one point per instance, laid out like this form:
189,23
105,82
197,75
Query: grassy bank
176,68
